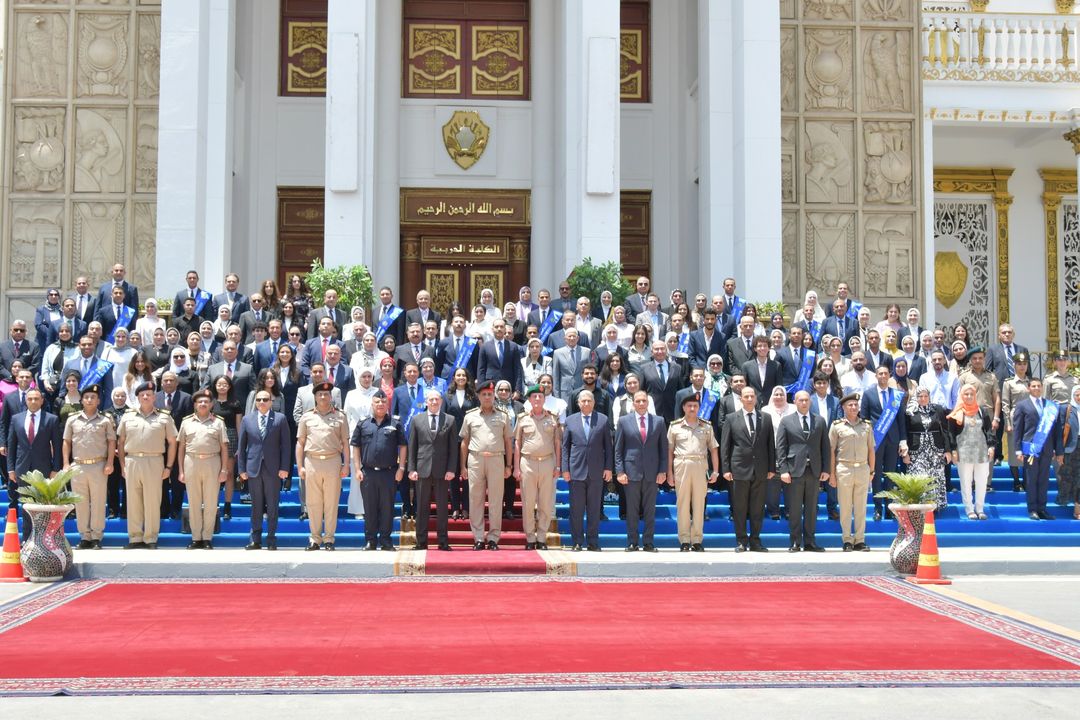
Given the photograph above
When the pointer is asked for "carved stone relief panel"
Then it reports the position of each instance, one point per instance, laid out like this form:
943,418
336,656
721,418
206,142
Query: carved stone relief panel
144,244
41,42
830,249
99,149
888,255
828,69
963,264
888,162
102,60
1070,237
789,164
828,9
37,237
887,9
829,147
789,235
98,235
146,150
787,9
788,83
886,70
39,151
148,61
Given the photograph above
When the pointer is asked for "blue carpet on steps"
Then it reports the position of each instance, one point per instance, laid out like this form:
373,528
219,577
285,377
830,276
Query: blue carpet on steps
1008,524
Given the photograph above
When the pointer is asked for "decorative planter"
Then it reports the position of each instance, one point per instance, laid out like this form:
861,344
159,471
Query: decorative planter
904,551
46,556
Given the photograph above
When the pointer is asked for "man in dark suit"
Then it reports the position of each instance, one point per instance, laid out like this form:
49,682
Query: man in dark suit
264,460
564,302
543,309
180,405
240,372
204,301
422,313
412,351
587,460
635,304
14,403
92,371
409,392
117,310
790,358
433,462
802,448
338,373
69,316
105,292
250,318
315,349
893,445
17,347
827,407
875,356
34,442
999,357
85,300
265,353
662,379
330,310
748,457
761,373
501,359
740,349
387,309
840,325
641,459
557,338
706,341
446,352
1036,460
236,300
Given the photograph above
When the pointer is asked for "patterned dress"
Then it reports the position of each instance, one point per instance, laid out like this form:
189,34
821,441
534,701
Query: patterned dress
929,457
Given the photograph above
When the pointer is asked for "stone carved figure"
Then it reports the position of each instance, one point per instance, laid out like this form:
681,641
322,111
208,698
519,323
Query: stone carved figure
36,238
828,161
828,69
144,245
98,235
103,53
788,43
149,57
887,176
887,255
146,151
99,151
41,70
39,149
886,9
788,160
789,235
885,64
828,9
830,248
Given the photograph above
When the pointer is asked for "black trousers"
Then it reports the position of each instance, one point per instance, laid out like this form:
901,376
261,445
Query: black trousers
1037,477
116,492
408,497
586,504
801,499
641,504
172,493
378,493
773,492
13,501
424,488
509,494
747,501
459,494
887,457
265,489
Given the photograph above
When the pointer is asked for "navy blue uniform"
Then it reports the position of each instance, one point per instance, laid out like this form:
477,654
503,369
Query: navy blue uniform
379,443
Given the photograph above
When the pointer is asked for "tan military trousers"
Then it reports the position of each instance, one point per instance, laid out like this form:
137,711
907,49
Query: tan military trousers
537,496
143,481
852,484
91,482
691,484
202,480
486,481
323,495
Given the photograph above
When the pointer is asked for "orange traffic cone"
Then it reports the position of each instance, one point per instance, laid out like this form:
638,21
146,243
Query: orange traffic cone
11,569
929,572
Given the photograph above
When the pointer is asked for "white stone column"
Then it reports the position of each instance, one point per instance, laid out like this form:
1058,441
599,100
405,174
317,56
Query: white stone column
386,265
220,83
929,309
758,251
588,138
542,259
716,204
350,132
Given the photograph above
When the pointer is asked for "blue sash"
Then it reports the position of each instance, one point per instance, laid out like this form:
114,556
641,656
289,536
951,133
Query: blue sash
888,415
465,353
418,406
386,322
126,313
545,350
201,298
853,310
737,306
96,373
805,372
814,327
684,343
437,382
1034,447
548,325
708,402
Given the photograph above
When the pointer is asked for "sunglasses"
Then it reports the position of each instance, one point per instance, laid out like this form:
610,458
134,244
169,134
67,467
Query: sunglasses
262,399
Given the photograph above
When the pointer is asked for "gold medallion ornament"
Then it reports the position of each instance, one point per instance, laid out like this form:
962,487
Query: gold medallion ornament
466,137
950,277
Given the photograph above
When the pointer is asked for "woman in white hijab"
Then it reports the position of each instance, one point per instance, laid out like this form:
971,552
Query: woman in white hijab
221,325
357,317
487,299
368,355
146,324
480,327
357,409
812,300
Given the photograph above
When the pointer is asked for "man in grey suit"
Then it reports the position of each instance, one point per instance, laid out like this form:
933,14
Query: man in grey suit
802,446
641,457
740,349
586,466
586,324
566,365
433,459
748,456
264,461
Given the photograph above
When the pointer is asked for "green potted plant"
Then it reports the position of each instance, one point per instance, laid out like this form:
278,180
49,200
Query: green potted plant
46,556
588,279
912,498
352,283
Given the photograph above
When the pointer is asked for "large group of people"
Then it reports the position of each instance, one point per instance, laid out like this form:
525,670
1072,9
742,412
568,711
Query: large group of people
458,408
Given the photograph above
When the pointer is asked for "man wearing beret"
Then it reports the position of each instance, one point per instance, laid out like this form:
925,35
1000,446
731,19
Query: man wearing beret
378,455
486,457
322,456
147,447
203,458
538,458
691,444
851,465
89,445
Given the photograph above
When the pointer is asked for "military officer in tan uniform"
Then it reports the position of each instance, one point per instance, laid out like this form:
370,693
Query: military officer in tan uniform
147,448
691,444
89,445
538,457
851,440
486,456
203,457
1058,385
322,454
985,382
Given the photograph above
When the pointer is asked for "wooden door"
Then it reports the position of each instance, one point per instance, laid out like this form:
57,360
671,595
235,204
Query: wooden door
300,230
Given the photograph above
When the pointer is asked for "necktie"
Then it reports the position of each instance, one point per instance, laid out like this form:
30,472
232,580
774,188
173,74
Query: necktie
585,422
663,372
82,305
230,298
85,366
228,370
795,356
412,392
457,346
258,314
750,420
273,348
843,327
191,294
499,347
116,309
382,313
324,342
416,352
884,402
168,401
30,434
644,431
331,368
434,424
22,401
1038,405
262,426
805,425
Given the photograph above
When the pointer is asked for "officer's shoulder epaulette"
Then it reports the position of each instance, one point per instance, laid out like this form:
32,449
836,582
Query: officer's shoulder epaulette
678,421
837,422
163,411
474,410
130,410
187,416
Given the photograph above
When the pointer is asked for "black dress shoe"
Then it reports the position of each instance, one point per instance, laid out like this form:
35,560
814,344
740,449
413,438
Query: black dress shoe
303,516
226,515
758,547
311,546
848,547
271,545
835,516
775,516
811,547
371,546
861,547
328,546
1017,488
96,544
877,516
207,545
253,546
697,547
577,548
593,548
420,546
741,547
85,545
649,547
479,545
193,545
541,546
1044,515
530,546
794,548
135,546
631,547
684,547
492,545
1034,515
151,546
388,547
508,515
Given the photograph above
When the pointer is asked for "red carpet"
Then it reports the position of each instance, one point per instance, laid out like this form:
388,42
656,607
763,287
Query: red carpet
473,562
281,636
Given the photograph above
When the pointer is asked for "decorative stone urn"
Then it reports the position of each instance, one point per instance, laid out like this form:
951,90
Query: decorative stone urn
904,551
46,556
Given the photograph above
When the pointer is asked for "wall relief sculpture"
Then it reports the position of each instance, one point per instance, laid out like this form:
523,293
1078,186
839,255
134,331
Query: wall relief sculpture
146,150
789,236
886,71
830,174
98,235
887,173
788,160
144,251
39,149
828,69
788,54
102,60
830,249
148,60
888,255
41,43
828,9
37,236
99,150
887,9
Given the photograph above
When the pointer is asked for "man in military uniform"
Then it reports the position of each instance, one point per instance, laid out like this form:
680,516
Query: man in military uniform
322,454
851,440
691,444
486,456
89,444
1058,385
203,457
142,435
538,451
379,457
